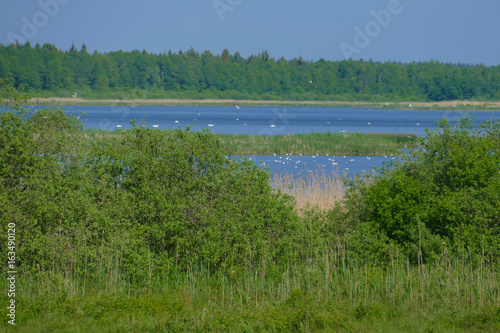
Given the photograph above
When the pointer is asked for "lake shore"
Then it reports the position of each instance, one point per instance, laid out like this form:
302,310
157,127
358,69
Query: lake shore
443,105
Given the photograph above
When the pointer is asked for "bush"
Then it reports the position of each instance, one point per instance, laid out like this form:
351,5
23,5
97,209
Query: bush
152,200
190,203
447,191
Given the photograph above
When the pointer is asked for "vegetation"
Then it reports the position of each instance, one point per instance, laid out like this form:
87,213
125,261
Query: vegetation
47,71
446,192
353,144
158,231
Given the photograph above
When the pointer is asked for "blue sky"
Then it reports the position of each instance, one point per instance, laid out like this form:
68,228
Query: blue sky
386,30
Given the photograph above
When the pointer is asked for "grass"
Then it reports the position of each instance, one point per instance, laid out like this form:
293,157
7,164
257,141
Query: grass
352,144
316,189
333,293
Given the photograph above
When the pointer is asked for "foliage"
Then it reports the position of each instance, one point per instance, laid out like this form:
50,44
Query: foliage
46,71
154,230
445,192
152,200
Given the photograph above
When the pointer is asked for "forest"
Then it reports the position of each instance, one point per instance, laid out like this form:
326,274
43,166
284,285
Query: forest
46,71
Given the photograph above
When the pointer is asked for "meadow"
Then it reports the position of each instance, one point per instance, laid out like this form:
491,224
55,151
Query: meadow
147,230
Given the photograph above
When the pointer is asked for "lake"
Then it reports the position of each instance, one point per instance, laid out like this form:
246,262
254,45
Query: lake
270,120
264,120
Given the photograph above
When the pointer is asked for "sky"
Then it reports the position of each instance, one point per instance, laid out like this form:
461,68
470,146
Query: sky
448,31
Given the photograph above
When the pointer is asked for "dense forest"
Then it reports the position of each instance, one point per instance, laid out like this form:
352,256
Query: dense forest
49,71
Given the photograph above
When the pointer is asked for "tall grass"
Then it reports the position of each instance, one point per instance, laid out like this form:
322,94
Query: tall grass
315,189
353,144
332,292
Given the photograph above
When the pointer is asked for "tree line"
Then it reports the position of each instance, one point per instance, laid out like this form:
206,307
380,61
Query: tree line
47,70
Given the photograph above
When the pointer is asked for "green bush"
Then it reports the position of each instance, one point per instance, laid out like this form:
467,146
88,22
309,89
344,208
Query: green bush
447,191
144,201
190,202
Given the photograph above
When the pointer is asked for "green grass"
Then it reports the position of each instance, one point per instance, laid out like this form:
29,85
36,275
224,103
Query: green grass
353,144
333,293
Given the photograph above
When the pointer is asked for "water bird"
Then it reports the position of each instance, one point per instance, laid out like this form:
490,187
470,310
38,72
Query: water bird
237,107
119,126
237,119
210,125
369,123
273,125
418,124
74,95
176,121
410,105
156,125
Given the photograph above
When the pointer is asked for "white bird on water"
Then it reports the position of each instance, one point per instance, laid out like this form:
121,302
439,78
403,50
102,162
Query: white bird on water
210,125
237,107
118,126
176,121
156,125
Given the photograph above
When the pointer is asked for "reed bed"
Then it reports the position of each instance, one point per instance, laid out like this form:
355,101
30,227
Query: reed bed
353,144
332,292
316,189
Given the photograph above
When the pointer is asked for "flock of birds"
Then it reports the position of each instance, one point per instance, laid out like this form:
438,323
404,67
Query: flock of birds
278,163
237,119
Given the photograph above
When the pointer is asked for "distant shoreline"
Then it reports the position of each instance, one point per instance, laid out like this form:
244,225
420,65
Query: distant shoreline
443,105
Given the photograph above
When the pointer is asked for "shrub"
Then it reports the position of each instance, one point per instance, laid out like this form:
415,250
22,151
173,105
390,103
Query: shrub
152,200
447,191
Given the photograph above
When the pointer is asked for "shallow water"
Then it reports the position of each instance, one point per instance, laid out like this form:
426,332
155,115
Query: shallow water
279,121
270,120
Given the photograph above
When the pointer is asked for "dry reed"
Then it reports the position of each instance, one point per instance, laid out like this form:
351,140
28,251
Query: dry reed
316,189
